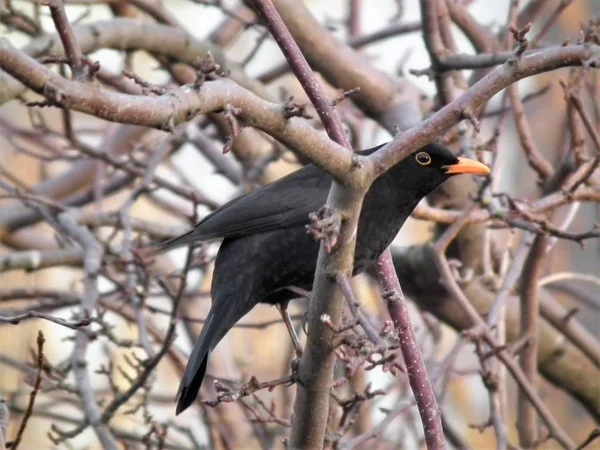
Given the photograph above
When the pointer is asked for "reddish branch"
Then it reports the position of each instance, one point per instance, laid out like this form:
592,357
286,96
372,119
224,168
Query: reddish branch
478,95
418,378
299,65
76,59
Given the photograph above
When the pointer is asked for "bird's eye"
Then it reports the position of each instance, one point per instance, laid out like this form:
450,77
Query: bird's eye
423,158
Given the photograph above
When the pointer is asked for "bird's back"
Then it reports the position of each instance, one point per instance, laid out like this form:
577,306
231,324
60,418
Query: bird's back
278,258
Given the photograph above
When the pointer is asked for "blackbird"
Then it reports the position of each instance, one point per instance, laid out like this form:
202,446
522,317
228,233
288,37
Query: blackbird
266,247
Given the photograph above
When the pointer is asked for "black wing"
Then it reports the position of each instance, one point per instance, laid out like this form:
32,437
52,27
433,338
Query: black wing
285,203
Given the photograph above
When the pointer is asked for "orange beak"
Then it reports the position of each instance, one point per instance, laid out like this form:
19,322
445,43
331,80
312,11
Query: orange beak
466,165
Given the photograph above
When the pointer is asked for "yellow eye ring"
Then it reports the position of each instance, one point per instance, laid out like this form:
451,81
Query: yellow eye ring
423,158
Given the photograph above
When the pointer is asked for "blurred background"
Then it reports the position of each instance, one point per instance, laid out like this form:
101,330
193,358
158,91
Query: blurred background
39,159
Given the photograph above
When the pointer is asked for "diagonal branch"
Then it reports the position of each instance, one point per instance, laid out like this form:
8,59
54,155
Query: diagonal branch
418,377
478,95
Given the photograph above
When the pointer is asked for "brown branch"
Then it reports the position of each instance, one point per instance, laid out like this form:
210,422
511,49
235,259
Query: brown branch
150,364
126,34
75,57
393,30
227,395
534,157
36,259
232,26
530,309
437,373
587,120
167,111
565,321
550,21
392,102
559,362
480,36
594,434
36,387
354,306
510,279
477,96
356,42
435,47
17,319
299,65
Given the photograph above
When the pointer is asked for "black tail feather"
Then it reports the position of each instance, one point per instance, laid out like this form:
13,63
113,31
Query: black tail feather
221,318
179,241
196,366
188,392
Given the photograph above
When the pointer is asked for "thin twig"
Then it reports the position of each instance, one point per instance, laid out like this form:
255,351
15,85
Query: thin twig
354,306
36,387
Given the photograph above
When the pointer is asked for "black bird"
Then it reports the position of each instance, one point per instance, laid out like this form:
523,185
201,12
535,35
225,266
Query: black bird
266,247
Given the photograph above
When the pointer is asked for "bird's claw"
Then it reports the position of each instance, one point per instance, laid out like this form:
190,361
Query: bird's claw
325,225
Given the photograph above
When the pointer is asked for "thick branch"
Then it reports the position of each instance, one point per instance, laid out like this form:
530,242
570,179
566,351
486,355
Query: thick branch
530,310
311,408
474,98
177,106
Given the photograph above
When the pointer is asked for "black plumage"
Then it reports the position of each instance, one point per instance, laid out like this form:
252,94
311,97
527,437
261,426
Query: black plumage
266,246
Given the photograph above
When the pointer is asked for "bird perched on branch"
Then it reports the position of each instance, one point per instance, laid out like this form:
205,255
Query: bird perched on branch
266,247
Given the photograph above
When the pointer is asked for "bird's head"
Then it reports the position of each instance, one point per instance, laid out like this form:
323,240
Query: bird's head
437,158
430,166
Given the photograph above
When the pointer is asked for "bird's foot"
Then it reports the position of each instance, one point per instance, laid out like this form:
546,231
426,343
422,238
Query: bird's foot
325,226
